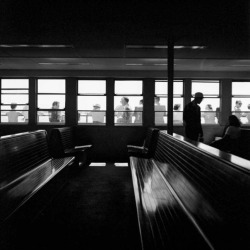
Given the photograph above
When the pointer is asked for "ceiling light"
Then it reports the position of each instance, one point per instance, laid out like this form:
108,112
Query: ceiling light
61,63
164,47
35,46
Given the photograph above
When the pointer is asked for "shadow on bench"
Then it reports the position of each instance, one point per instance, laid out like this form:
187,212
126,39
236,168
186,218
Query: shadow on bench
29,179
62,142
189,198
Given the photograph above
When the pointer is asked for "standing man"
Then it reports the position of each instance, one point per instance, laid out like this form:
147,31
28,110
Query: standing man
192,118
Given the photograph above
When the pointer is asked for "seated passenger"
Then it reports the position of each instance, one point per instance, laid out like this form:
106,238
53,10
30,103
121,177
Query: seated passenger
230,141
13,114
97,115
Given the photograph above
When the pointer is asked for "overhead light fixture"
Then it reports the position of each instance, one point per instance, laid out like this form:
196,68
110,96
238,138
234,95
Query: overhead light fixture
164,47
35,46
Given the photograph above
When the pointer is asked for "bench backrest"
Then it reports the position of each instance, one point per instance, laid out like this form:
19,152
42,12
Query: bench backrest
151,140
215,191
61,139
20,153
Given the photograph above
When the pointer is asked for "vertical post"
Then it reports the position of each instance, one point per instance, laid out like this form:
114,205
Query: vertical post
170,84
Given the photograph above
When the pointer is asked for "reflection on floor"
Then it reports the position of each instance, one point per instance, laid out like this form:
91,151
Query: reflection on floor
96,208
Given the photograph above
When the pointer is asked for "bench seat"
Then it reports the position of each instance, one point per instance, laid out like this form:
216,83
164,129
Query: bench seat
62,142
185,186
29,180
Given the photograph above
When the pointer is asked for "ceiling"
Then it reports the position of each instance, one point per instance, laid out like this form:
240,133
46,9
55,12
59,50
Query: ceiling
116,35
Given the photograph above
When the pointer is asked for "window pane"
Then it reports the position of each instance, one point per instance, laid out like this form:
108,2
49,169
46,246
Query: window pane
132,115
208,88
95,116
91,87
15,83
240,88
53,116
46,101
128,87
12,117
161,88
51,86
19,99
88,102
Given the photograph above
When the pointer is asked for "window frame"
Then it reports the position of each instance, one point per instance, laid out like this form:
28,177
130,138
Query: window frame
14,93
141,95
88,111
50,109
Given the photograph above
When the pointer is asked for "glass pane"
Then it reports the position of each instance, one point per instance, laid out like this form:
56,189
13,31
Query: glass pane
208,88
51,86
46,101
128,113
12,116
92,87
19,99
53,116
161,88
128,87
210,104
15,83
90,102
240,88
96,117
177,117
161,103
160,116
241,108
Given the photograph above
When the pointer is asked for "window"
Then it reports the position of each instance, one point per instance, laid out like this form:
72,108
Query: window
91,102
210,106
241,101
51,101
128,103
14,100
161,102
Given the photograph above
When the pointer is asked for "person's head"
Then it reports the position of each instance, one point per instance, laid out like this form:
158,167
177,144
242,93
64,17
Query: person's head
198,97
157,99
238,103
177,106
55,105
248,106
209,107
97,106
124,101
141,102
13,105
234,121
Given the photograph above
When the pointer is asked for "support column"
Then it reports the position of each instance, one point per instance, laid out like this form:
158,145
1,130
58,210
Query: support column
170,85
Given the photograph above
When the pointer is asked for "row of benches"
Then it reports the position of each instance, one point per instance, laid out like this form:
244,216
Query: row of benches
191,196
31,174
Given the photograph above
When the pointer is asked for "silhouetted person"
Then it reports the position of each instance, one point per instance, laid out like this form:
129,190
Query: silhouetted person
192,118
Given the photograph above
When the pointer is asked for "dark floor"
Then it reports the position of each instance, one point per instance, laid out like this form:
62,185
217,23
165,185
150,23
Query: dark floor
95,209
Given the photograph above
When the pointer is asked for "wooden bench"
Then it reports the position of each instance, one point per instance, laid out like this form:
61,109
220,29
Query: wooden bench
191,196
148,147
26,171
62,142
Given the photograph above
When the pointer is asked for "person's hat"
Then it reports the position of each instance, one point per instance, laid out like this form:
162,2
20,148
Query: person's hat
198,95
97,105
